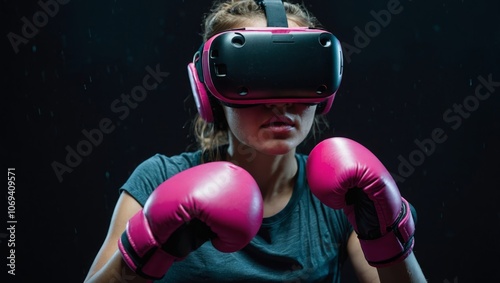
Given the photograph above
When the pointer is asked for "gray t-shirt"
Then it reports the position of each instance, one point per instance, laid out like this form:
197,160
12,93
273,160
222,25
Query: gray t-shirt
305,242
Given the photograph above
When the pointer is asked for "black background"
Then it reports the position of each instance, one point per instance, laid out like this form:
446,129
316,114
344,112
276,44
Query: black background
395,90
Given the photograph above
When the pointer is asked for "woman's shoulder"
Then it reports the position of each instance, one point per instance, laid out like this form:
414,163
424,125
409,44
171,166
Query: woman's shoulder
169,165
155,170
182,160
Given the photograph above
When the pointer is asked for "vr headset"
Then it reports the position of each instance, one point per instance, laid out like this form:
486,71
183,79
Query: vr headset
276,64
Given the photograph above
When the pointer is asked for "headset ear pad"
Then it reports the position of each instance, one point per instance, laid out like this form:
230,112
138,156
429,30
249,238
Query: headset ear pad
200,94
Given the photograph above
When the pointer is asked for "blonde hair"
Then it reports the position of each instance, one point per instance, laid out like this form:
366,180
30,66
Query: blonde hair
225,15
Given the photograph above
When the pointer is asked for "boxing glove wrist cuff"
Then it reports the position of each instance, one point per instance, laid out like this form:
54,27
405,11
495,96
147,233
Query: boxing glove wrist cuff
394,246
140,250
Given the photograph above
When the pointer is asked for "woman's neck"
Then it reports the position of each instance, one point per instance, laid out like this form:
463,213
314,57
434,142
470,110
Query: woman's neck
275,175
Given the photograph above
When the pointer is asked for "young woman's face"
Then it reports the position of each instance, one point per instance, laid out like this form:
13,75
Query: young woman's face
272,129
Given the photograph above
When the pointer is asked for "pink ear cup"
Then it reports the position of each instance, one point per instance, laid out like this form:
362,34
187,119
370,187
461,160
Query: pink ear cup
200,94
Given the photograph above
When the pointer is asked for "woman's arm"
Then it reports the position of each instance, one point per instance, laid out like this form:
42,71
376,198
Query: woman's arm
215,201
405,271
108,266
364,272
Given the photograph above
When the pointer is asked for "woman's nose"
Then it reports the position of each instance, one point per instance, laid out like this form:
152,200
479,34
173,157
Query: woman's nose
281,105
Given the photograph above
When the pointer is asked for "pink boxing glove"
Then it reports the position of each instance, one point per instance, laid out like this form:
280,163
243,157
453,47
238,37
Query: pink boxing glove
343,174
216,201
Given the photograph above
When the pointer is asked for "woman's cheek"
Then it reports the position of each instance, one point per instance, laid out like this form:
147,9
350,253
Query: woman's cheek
241,123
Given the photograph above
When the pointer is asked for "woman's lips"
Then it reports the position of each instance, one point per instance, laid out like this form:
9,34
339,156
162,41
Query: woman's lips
279,120
279,124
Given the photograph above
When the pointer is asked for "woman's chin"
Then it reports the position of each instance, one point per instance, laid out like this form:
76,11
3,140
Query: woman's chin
277,147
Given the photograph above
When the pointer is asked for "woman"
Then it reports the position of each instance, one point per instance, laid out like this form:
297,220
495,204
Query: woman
271,229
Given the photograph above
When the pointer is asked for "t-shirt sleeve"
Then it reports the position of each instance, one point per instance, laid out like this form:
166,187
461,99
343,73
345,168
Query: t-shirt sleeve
155,170
346,226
